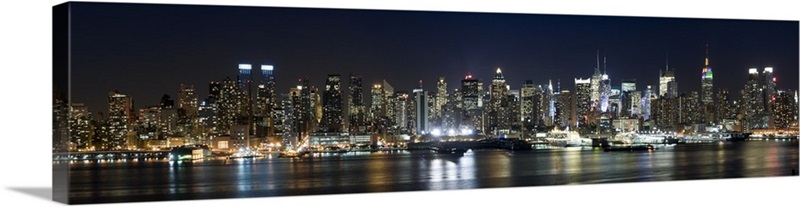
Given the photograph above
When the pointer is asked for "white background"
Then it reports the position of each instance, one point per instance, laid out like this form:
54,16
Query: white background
25,65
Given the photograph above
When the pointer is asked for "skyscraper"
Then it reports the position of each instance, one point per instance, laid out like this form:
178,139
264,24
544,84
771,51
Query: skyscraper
497,99
707,82
470,92
583,100
707,93
565,112
267,98
527,105
355,104
332,105
628,85
80,128
120,109
187,100
768,87
667,86
441,99
755,111
785,109
595,84
421,111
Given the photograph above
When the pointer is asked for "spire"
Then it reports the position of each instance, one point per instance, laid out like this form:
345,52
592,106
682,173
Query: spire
498,74
559,84
706,55
597,69
604,63
667,66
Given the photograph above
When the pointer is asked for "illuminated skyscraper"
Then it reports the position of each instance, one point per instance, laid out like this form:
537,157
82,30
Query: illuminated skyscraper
120,109
595,84
497,99
667,86
583,100
756,116
421,110
187,100
565,111
332,105
266,96
768,88
628,85
527,104
646,102
376,110
470,92
785,109
707,93
605,92
441,99
355,104
707,82
80,128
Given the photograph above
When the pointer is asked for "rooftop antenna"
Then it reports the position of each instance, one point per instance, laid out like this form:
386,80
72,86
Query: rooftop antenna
604,63
597,69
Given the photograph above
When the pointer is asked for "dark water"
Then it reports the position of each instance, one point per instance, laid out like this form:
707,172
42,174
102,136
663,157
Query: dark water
148,180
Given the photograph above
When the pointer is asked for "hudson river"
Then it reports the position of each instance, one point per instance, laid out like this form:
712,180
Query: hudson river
147,180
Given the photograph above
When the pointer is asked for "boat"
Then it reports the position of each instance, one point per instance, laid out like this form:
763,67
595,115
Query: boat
449,150
630,148
291,154
188,153
566,139
735,137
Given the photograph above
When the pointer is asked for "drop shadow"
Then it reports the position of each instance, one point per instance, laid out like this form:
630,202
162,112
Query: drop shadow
45,193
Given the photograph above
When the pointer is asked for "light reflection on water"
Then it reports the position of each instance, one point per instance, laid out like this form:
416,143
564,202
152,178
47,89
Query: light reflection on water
158,179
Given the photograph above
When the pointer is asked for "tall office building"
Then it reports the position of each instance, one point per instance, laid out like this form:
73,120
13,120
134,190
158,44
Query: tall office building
707,82
583,100
356,109
497,100
647,97
187,100
565,111
595,84
332,115
785,109
306,110
725,108
768,88
441,99
376,110
80,127
120,109
421,110
628,85
707,93
755,111
470,92
667,86
527,92
266,97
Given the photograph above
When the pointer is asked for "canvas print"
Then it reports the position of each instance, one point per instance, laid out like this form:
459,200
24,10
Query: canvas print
155,102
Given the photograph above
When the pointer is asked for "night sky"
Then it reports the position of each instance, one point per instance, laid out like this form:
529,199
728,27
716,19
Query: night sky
146,51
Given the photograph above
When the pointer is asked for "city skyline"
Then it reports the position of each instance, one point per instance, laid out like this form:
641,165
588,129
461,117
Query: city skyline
165,60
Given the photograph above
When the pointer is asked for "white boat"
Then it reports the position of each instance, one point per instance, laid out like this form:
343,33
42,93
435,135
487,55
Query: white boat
636,138
566,139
